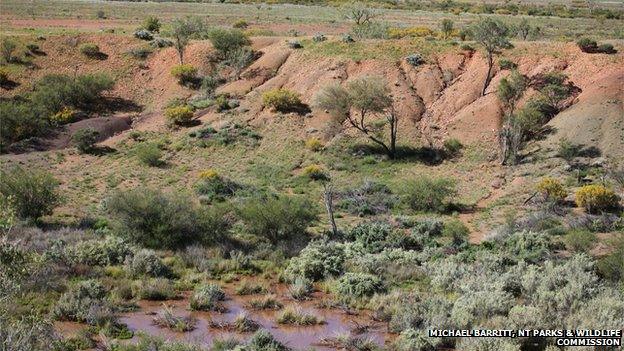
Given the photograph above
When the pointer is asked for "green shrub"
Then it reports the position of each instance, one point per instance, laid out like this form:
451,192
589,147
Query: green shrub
178,115
84,139
265,303
295,316
370,30
156,289
240,24
294,44
587,45
412,340
528,246
467,47
32,47
7,48
372,235
149,154
567,150
452,146
227,40
143,34
237,60
579,240
301,289
226,344
207,297
161,43
244,324
281,100
112,250
262,340
33,193
314,144
428,194
75,304
157,220
423,234
141,52
315,172
146,262
317,261
359,285
213,187
370,198
247,287
456,231
54,92
596,198
152,24
606,49
210,83
507,64
4,76
277,218
166,319
184,73
222,103
611,266
89,50
319,37
81,341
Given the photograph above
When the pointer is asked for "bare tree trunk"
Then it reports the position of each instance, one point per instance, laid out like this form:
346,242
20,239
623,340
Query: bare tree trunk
180,48
488,77
394,126
329,206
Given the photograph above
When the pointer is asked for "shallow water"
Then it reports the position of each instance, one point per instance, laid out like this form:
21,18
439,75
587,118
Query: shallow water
304,337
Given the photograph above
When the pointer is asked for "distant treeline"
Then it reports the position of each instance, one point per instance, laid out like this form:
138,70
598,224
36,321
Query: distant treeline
576,8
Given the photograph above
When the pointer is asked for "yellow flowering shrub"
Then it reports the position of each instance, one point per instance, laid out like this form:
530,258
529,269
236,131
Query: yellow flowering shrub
208,174
596,198
179,115
412,32
313,144
315,172
65,115
551,189
282,100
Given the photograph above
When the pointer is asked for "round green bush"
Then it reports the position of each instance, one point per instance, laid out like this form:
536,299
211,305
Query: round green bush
359,285
587,45
33,193
429,194
184,73
149,154
317,261
89,49
84,139
372,235
146,262
207,298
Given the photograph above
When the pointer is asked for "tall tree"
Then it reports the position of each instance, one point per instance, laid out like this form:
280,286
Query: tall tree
182,30
359,13
357,103
510,91
493,35
446,27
